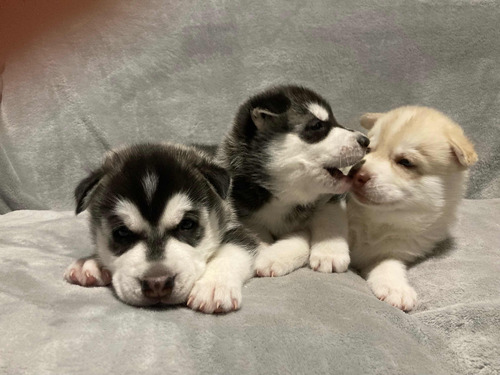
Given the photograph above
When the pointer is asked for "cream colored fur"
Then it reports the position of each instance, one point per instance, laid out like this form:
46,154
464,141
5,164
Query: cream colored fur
398,213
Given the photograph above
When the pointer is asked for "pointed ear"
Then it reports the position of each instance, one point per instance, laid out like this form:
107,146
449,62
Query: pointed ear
260,116
268,106
84,190
369,119
218,177
462,148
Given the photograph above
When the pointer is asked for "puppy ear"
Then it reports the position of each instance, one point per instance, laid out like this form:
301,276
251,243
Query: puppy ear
83,192
218,177
463,149
268,106
260,116
369,119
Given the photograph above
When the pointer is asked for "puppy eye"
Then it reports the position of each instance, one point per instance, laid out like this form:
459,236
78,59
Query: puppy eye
368,150
122,234
316,126
187,224
405,163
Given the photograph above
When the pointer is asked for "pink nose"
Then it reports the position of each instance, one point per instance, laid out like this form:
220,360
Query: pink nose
157,286
361,178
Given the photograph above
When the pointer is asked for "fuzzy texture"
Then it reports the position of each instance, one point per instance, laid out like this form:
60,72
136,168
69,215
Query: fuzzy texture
404,195
305,322
121,74
164,230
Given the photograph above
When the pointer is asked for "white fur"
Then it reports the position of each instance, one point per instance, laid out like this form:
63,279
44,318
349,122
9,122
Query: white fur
283,256
329,246
131,216
389,283
299,177
219,289
298,168
399,214
175,210
150,184
317,110
181,260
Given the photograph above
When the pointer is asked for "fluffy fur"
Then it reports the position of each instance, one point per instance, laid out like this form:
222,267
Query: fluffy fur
284,153
404,196
164,230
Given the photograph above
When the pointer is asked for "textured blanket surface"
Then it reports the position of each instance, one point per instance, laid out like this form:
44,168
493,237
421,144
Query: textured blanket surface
177,70
304,323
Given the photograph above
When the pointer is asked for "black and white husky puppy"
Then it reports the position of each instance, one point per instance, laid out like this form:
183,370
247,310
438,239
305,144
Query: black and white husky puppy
164,230
285,153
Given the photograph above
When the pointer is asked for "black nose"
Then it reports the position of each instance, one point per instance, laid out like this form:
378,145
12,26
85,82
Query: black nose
157,286
363,141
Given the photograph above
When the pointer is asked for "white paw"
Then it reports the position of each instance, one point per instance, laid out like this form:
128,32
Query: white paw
215,295
328,259
270,264
87,272
400,295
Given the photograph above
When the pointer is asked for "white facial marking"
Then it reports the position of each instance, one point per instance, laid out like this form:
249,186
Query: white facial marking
150,184
130,215
319,111
176,207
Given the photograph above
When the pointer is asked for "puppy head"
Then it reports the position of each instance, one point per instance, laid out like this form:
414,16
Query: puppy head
156,213
295,130
417,157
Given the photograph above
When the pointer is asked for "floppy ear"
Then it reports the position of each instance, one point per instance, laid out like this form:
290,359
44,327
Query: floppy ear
218,177
83,192
369,119
463,149
268,106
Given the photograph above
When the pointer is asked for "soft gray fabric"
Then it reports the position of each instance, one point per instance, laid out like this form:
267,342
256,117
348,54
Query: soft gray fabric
177,70
306,322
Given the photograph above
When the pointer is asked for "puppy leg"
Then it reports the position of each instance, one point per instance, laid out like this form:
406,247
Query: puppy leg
219,289
87,272
284,256
329,246
389,283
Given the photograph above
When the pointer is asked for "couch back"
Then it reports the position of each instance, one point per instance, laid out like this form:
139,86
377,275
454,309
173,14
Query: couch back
177,71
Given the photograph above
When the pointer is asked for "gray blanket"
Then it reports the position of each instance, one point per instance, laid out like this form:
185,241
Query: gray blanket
306,322
112,72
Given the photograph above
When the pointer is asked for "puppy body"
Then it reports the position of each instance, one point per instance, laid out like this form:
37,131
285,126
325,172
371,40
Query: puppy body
164,229
284,153
404,196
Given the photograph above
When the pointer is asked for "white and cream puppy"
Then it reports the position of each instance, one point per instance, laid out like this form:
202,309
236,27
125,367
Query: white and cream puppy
404,195
164,230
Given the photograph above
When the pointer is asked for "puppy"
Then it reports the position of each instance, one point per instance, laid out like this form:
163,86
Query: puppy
284,153
404,195
164,229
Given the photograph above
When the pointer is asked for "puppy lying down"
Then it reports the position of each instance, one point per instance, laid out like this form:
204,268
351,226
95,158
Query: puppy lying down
404,196
164,229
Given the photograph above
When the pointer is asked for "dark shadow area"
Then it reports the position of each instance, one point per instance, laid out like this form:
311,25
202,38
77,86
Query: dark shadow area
442,249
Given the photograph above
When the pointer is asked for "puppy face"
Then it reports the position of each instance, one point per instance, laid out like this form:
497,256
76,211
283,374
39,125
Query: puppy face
418,157
306,147
156,217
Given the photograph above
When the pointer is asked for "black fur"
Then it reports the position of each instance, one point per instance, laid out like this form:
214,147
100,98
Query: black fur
245,151
177,169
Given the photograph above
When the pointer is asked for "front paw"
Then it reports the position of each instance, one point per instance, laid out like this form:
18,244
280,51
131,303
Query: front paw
270,264
213,295
324,258
87,272
397,294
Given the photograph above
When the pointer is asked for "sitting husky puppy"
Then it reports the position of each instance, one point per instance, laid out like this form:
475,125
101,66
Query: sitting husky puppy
284,153
404,196
163,227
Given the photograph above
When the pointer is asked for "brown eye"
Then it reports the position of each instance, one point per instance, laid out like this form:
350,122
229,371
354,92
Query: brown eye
405,163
